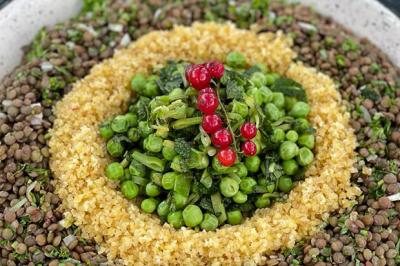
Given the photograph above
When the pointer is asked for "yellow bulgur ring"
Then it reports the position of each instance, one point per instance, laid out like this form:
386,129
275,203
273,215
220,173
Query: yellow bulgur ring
122,230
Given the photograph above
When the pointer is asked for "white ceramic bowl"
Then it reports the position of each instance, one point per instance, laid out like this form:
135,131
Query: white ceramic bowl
21,19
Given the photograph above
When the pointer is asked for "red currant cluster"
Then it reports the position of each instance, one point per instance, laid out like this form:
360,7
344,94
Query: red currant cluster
248,131
199,76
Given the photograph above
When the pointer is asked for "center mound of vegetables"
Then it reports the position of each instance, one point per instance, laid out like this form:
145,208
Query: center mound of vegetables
206,145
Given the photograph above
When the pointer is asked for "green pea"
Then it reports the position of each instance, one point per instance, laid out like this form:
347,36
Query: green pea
262,181
300,109
307,140
289,103
278,135
114,171
290,167
115,147
163,208
168,180
278,99
129,189
241,170
175,219
240,197
228,187
252,163
137,169
266,94
251,91
257,96
247,185
131,119
262,202
258,79
209,223
119,124
134,134
192,215
285,184
179,200
106,131
235,177
239,108
145,129
271,186
151,89
288,150
236,60
138,83
292,136
272,112
153,143
305,156
152,190
301,124
149,205
168,150
271,78
234,217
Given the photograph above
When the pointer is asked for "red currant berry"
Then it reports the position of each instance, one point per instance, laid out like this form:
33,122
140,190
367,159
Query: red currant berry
216,69
211,123
249,148
207,90
199,77
207,103
226,157
248,130
222,138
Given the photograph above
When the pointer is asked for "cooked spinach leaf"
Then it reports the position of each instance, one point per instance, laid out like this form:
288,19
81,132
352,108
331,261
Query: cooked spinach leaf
289,87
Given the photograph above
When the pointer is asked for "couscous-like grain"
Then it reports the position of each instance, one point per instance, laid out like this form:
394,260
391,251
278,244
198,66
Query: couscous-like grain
122,230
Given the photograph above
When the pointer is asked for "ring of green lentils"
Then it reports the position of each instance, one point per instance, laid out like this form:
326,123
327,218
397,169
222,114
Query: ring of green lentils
201,182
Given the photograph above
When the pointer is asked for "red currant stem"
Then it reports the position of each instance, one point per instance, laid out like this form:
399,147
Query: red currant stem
227,121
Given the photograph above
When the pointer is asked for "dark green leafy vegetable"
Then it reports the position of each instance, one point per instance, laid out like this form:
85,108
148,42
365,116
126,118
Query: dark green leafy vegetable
171,77
290,88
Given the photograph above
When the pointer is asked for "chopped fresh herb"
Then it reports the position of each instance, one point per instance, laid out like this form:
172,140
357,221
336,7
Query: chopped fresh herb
290,88
375,68
36,50
206,204
350,45
340,60
323,54
369,93
171,77
381,127
235,82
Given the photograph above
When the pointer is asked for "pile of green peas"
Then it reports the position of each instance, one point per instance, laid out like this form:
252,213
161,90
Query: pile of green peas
183,182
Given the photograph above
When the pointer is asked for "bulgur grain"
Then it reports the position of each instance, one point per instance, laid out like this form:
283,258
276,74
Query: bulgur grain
79,156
